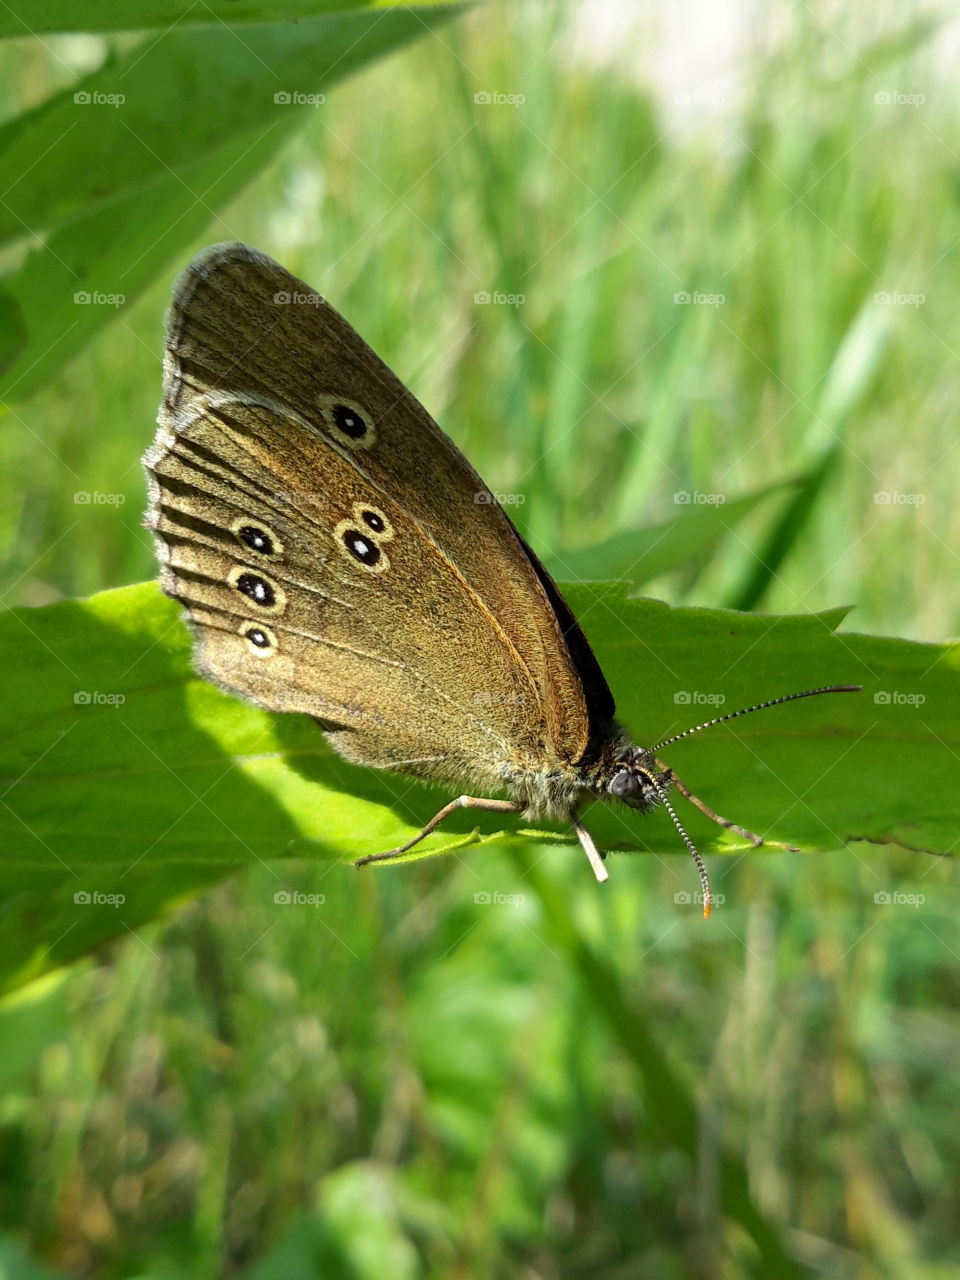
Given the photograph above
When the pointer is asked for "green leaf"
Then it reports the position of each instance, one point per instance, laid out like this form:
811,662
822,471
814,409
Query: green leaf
642,554
165,104
117,250
50,16
124,773
118,190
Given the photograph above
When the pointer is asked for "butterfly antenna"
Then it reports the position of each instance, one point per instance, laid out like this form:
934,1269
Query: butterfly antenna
692,848
758,706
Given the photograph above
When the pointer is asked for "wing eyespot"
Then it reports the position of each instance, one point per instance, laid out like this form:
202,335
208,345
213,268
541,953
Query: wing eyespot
360,547
258,588
378,525
257,537
347,421
261,641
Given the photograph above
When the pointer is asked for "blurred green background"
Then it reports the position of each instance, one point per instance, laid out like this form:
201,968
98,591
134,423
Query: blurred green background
406,1081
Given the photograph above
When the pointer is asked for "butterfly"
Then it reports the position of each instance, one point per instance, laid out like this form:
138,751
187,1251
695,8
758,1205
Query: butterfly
336,555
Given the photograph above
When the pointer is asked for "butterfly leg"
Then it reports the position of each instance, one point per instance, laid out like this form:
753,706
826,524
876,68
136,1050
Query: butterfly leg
715,817
594,856
461,802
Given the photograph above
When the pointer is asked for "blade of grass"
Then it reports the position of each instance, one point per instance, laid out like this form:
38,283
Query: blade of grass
856,365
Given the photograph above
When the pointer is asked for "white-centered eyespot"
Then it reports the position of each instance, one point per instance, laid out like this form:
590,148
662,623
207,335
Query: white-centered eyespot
257,537
359,545
261,641
258,588
373,521
348,421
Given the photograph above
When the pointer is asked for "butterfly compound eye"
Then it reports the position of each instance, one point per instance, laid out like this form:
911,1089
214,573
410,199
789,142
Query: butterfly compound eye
623,784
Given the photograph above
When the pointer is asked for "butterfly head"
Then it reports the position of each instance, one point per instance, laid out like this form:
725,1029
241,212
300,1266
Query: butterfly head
637,779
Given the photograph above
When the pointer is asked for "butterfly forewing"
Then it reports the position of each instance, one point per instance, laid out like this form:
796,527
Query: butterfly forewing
335,552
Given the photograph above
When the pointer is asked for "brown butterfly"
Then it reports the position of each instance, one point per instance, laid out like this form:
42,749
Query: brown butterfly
337,555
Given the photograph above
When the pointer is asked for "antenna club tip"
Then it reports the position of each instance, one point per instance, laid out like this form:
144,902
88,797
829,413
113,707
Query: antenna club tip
707,908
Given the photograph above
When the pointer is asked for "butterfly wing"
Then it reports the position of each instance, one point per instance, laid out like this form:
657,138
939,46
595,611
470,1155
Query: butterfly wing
337,555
